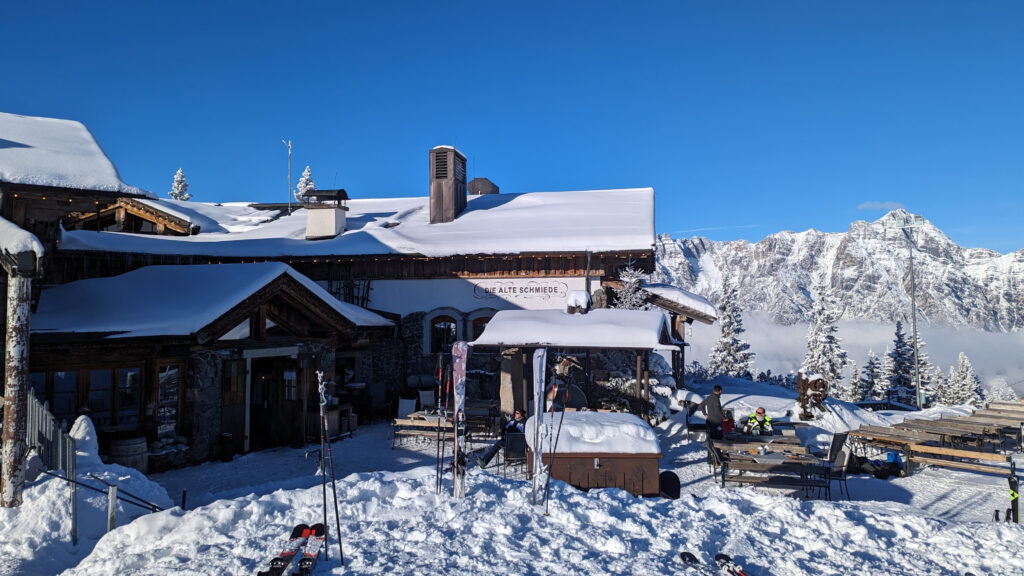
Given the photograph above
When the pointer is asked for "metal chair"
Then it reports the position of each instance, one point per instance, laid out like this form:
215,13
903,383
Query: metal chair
838,458
427,399
514,453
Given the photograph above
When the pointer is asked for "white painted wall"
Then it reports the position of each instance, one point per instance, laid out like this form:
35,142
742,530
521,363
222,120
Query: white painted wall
408,296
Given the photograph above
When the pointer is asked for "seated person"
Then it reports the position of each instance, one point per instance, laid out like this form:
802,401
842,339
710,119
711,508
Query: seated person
728,423
517,425
758,424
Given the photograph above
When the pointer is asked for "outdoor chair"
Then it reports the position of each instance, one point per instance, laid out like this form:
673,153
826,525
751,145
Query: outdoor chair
379,403
427,401
406,406
838,457
514,453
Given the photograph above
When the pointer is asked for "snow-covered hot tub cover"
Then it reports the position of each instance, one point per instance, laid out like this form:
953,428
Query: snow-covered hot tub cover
595,433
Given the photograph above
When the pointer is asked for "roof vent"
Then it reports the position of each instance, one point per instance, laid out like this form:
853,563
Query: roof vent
480,186
447,184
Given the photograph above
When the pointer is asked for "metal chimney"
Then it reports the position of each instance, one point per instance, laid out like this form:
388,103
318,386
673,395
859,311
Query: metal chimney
447,184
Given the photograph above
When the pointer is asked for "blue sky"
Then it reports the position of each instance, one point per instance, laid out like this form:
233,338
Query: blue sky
746,117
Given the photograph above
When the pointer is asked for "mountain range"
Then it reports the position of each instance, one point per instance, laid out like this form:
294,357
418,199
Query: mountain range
865,271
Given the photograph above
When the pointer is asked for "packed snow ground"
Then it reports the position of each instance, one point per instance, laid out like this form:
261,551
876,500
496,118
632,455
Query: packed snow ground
933,522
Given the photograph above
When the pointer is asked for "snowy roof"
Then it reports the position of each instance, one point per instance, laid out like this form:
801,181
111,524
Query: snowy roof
168,300
14,240
689,302
598,432
601,328
56,153
545,222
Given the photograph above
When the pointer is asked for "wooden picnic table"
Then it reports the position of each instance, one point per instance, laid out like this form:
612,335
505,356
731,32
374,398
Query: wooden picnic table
748,446
773,439
900,435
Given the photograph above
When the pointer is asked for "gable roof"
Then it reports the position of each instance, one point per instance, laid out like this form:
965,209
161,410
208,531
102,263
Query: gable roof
56,153
681,301
171,300
538,222
599,328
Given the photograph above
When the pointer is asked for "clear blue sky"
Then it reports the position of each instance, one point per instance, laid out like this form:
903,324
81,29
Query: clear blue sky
746,117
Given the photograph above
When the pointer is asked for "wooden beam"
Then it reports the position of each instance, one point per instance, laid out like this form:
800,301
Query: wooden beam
1005,405
957,464
946,428
959,453
913,435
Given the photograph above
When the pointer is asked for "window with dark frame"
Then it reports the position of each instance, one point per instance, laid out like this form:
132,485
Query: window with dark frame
443,332
65,395
169,390
478,326
101,397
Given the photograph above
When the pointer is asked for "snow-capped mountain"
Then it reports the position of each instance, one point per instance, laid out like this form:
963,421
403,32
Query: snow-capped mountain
865,270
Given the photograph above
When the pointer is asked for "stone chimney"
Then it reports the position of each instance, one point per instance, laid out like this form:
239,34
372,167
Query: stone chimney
447,184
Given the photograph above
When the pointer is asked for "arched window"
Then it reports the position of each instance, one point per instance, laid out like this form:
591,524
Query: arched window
443,333
478,326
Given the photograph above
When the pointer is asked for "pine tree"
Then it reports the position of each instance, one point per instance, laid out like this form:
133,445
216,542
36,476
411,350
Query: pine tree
872,383
900,368
1001,390
948,392
847,389
179,188
970,384
731,355
631,296
824,354
926,371
305,186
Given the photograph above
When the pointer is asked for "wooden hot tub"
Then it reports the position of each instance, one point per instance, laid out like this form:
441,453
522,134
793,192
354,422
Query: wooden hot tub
600,450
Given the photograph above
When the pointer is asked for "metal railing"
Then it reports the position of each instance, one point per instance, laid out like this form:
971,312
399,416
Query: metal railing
46,436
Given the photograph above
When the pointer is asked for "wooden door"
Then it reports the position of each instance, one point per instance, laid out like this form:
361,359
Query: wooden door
232,419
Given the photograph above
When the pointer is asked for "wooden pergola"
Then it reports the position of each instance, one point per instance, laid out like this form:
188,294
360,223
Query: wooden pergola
642,331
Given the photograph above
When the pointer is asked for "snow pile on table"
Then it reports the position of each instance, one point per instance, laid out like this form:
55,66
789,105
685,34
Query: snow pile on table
35,538
594,432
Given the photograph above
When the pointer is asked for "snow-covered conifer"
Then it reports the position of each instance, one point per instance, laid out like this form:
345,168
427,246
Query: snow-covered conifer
1001,390
970,384
179,188
872,383
900,368
824,354
631,296
731,355
305,187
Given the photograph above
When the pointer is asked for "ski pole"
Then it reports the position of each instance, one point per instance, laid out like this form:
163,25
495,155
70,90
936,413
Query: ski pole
323,467
334,485
547,483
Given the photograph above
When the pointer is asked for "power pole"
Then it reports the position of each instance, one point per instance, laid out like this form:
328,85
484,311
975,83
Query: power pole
909,222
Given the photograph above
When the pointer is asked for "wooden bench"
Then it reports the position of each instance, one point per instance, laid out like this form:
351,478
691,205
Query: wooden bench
802,476
924,454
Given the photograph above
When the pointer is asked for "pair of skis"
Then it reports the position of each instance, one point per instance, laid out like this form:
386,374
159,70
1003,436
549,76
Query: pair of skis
725,563
310,540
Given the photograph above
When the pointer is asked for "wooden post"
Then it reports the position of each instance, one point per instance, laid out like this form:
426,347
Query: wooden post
639,372
111,507
12,481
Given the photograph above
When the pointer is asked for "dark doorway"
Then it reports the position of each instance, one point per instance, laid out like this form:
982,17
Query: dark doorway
233,403
274,407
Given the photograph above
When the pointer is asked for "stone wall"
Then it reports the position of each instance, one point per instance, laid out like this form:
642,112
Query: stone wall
203,403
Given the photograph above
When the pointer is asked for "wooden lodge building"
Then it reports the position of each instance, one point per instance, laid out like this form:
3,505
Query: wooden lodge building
369,291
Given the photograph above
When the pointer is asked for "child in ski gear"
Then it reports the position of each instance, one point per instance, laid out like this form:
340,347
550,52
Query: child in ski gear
728,424
711,407
758,424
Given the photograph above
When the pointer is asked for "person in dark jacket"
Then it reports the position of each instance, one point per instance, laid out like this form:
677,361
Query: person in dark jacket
711,407
517,425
